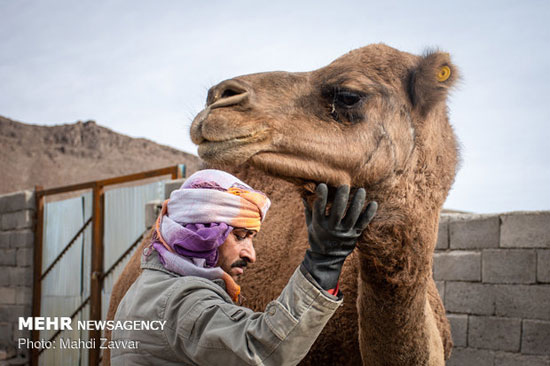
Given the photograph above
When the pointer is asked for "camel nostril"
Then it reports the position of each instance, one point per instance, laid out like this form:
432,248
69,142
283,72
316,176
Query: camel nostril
227,93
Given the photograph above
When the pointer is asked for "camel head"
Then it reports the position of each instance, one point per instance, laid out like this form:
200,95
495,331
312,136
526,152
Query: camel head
373,117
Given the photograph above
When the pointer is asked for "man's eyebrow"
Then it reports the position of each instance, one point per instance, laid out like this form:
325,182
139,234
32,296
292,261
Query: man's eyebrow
245,231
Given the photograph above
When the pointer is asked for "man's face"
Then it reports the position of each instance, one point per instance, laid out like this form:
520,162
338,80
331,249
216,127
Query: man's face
236,252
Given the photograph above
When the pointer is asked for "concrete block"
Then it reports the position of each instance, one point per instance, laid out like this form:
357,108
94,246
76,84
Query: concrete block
22,358
509,266
16,201
474,232
7,257
25,257
4,240
171,186
440,285
501,334
525,230
7,355
443,233
20,276
523,301
543,266
18,220
469,298
152,210
459,329
24,333
514,359
7,295
22,239
6,333
457,266
471,357
11,313
536,337
5,278
23,295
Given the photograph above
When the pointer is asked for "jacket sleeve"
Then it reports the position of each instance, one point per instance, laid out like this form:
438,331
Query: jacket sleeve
211,331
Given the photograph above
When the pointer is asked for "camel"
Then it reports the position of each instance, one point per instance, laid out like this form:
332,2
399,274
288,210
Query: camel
376,118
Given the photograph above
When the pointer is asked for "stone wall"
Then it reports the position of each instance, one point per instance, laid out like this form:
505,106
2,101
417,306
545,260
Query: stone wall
17,217
493,274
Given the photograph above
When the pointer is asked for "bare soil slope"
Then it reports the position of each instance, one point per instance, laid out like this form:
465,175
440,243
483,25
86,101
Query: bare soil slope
53,156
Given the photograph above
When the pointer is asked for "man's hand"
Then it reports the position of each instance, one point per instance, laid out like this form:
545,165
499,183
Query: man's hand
332,238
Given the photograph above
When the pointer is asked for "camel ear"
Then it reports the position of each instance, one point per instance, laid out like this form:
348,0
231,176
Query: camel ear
430,80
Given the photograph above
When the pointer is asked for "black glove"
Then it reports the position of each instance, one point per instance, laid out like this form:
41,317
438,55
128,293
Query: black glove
332,238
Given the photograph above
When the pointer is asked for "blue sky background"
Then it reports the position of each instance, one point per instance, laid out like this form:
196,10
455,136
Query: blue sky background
142,68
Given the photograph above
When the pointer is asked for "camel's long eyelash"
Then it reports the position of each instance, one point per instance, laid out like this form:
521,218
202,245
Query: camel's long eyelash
344,104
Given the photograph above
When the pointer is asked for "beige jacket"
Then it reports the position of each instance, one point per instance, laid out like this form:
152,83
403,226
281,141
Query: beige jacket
204,327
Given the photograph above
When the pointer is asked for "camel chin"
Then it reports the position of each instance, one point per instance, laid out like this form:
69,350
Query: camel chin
298,170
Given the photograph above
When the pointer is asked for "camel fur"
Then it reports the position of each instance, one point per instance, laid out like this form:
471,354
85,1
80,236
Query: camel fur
374,118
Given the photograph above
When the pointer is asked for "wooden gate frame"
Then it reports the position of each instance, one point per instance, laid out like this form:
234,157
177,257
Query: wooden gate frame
97,273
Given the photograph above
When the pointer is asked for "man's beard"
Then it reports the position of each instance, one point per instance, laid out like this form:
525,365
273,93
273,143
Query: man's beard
239,263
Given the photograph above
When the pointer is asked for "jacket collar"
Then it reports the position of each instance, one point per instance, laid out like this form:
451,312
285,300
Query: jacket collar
150,260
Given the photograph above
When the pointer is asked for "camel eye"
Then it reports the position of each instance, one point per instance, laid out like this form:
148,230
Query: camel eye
344,105
346,98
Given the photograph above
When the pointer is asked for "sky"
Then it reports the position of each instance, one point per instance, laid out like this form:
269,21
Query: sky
143,68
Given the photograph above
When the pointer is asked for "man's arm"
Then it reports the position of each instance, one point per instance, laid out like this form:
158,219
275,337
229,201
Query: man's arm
211,331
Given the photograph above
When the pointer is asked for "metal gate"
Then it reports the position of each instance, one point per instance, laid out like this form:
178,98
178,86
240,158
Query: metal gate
80,244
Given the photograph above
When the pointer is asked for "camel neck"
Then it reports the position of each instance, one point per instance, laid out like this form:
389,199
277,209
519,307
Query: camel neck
394,268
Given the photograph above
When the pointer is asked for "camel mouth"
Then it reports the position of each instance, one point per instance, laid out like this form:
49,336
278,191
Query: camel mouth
233,139
232,150
208,132
215,147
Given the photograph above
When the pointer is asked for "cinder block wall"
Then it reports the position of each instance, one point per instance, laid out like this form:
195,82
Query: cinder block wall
17,217
493,274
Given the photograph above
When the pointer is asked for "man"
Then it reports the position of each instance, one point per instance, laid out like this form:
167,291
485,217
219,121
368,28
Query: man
202,243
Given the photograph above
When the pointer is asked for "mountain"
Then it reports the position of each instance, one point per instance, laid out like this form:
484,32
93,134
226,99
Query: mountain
60,155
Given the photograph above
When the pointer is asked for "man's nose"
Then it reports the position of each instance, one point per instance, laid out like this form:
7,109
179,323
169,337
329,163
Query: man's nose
248,252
